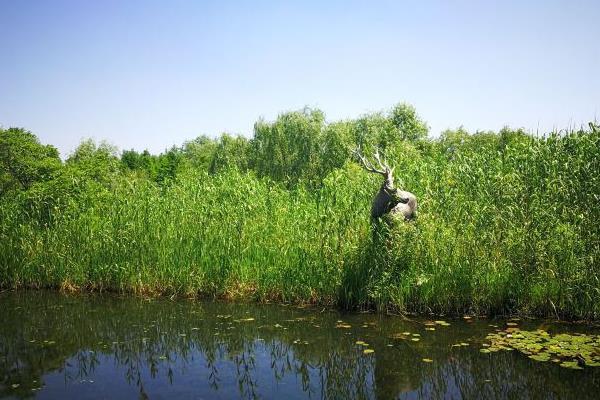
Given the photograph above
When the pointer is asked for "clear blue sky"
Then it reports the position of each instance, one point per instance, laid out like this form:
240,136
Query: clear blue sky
150,74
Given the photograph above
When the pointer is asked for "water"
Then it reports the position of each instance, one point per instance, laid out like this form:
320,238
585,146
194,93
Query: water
92,346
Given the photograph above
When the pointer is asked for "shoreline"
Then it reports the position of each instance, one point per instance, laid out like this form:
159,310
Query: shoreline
316,306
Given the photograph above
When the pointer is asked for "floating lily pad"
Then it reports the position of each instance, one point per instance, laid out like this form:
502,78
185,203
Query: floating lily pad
245,320
368,351
398,336
592,363
570,365
427,360
572,351
540,357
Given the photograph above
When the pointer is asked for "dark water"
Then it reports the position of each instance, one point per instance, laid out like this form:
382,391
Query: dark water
91,346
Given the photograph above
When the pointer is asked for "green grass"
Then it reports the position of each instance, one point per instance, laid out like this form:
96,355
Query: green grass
505,225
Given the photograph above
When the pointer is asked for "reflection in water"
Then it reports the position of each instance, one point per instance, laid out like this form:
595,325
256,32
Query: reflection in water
91,346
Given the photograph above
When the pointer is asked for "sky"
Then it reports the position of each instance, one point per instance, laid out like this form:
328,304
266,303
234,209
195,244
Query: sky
152,74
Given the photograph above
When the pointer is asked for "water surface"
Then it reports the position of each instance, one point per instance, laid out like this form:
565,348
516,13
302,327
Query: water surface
105,346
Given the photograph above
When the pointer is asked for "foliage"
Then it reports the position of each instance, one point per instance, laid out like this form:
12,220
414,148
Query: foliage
287,150
24,160
231,152
570,351
507,221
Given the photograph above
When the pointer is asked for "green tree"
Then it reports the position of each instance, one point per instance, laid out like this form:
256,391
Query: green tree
24,160
169,164
99,163
231,152
143,162
335,146
200,152
287,150
408,124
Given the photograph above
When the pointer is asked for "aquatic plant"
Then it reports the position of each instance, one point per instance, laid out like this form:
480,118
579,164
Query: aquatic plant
507,221
573,351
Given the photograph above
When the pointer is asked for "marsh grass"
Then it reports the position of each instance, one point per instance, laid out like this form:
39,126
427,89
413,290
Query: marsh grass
506,225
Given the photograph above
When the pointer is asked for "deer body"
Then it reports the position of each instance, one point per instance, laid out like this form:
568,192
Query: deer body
393,201
407,206
389,199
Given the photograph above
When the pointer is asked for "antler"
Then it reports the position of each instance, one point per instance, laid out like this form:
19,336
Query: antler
385,169
383,164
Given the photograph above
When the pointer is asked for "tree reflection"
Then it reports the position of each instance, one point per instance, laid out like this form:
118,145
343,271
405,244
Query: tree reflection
282,349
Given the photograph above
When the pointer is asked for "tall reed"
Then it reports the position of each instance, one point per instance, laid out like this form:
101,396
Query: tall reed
507,223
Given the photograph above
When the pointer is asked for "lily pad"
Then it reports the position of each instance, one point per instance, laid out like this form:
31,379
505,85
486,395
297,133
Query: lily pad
570,365
540,357
572,351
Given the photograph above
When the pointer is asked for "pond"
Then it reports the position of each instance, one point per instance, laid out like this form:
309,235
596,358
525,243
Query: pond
106,346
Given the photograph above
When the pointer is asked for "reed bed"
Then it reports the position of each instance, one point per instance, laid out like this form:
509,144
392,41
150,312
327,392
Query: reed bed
507,223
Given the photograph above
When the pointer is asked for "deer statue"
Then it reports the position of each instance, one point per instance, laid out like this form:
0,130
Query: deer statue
389,199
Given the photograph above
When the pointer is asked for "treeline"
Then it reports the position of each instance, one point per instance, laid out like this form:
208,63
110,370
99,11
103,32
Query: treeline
507,221
299,147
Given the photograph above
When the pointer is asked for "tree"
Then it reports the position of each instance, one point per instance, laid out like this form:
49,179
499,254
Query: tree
99,163
335,145
169,164
231,152
200,152
287,150
24,160
408,124
143,162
